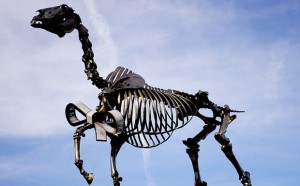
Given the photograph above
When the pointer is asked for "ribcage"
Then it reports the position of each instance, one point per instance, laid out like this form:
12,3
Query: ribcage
151,115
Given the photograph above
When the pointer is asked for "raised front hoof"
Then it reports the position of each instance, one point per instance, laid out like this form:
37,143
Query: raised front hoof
203,183
89,177
245,179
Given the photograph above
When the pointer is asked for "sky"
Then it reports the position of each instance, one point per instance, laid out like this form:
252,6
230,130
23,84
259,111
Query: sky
244,53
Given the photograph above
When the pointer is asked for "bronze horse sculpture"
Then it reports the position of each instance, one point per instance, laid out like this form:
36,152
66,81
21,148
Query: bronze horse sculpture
132,111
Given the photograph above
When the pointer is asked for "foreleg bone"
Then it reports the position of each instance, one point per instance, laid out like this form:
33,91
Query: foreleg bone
78,162
116,144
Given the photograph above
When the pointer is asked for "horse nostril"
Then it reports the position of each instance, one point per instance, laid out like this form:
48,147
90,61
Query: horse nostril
40,13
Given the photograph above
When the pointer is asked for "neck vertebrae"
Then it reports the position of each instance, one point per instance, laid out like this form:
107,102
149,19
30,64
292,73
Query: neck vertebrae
88,56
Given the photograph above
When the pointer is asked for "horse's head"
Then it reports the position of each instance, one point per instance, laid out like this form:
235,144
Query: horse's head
58,20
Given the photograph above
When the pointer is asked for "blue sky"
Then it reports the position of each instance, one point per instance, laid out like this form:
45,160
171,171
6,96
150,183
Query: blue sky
244,53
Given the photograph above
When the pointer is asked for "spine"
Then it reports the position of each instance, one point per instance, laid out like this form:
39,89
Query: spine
88,56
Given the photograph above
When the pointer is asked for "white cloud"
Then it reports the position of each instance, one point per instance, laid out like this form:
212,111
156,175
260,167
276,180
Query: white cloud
107,48
275,69
13,168
186,46
146,159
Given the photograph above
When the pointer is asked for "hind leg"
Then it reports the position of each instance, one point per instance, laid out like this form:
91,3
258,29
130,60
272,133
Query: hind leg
78,162
226,147
193,149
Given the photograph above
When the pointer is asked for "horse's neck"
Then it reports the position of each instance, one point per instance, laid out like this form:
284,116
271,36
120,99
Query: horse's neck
88,58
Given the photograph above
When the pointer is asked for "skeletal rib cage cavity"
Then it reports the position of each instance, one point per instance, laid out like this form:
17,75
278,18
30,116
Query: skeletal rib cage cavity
151,114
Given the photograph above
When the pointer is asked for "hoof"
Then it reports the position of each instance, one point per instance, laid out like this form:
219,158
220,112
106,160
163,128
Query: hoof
203,183
89,177
245,179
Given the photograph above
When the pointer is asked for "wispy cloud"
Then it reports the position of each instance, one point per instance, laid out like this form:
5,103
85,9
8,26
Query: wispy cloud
107,51
275,69
15,167
146,159
245,54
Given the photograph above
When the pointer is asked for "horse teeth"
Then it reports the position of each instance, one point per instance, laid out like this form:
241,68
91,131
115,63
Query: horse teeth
38,22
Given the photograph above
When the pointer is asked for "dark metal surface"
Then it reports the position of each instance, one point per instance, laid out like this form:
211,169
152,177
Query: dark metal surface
132,111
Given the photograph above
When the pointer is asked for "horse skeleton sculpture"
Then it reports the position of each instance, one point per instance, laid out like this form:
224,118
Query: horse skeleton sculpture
132,111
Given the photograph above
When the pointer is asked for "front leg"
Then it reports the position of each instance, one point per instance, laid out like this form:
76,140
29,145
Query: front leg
78,162
116,144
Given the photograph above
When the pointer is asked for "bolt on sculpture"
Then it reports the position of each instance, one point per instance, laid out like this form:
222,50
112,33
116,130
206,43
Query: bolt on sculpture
132,111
